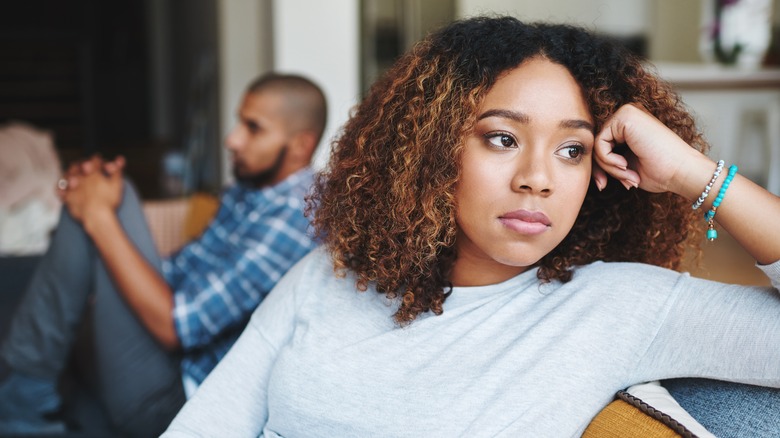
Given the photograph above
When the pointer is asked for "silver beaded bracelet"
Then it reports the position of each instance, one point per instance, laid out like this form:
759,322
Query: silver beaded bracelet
706,191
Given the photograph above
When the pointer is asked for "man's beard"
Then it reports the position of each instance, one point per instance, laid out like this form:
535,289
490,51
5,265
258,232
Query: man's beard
264,177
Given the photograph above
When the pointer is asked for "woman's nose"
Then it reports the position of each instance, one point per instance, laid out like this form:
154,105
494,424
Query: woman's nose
533,175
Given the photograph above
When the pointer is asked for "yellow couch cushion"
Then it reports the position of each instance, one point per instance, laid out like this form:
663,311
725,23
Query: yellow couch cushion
174,222
628,416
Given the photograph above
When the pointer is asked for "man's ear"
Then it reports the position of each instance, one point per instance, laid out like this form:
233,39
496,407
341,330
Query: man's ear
302,146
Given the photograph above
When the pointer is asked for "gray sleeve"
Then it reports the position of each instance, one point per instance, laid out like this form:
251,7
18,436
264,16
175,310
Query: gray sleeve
232,401
719,331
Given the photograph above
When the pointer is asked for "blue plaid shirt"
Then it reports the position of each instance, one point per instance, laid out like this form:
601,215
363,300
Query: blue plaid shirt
219,279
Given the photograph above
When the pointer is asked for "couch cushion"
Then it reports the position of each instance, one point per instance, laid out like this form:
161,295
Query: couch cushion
630,416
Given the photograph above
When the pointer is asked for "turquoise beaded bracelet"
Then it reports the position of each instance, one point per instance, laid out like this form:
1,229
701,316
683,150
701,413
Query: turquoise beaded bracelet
709,216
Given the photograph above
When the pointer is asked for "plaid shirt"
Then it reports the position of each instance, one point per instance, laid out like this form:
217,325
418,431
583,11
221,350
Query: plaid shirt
219,279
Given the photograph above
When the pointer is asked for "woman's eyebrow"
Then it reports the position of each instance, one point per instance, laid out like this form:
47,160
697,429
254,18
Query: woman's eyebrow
576,124
524,118
505,114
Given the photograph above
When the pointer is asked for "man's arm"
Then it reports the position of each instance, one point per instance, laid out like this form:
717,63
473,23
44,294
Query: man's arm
92,199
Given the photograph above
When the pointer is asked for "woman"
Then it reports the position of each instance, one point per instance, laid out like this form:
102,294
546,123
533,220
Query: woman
501,211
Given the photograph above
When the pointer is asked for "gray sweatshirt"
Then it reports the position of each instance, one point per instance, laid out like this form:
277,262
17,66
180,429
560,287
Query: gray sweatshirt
519,358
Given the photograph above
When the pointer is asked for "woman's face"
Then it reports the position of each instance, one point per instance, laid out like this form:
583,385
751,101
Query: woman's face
524,173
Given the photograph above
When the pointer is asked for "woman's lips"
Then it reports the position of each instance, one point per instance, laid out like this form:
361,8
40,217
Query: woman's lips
525,222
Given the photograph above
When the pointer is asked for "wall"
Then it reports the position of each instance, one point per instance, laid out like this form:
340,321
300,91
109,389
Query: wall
244,52
675,30
320,39
620,17
672,26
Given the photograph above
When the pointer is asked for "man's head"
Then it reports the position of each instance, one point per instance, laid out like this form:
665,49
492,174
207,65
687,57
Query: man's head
280,123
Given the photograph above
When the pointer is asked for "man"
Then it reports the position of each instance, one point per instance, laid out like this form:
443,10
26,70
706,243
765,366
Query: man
159,326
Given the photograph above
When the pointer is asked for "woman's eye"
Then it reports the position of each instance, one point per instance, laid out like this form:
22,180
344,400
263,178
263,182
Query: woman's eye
501,140
572,152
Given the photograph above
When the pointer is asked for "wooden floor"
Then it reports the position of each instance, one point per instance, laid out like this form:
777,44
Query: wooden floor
724,260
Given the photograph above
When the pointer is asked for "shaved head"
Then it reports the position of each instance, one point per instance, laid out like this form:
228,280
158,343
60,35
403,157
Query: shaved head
304,106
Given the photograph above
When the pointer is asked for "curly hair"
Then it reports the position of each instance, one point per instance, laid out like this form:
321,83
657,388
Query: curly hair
385,206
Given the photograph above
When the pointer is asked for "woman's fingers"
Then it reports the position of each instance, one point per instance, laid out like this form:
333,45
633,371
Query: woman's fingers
599,177
610,162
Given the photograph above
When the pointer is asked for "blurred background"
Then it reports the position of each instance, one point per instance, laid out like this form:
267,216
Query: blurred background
159,80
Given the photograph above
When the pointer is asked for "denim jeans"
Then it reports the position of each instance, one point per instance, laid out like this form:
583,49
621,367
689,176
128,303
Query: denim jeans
137,382
729,409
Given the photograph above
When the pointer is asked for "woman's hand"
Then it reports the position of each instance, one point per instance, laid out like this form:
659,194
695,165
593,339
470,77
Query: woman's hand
656,159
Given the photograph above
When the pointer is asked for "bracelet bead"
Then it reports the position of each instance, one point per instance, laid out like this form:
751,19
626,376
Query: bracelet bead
706,192
709,216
